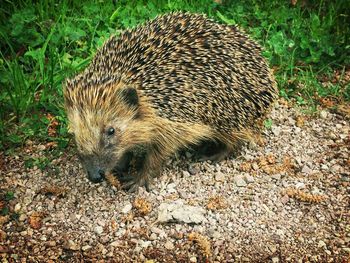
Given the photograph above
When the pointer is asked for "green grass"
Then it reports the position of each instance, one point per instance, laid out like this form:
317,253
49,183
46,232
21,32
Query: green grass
43,42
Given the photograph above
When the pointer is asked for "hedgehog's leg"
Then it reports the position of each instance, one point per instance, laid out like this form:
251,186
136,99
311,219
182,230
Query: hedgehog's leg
168,138
212,150
148,167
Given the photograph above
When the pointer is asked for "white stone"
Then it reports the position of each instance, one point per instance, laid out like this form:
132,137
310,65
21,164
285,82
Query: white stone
153,236
321,243
17,207
186,174
277,177
300,185
98,230
276,130
220,177
171,186
71,245
169,245
145,244
217,235
193,259
306,169
239,181
249,179
115,243
177,211
323,114
127,208
87,247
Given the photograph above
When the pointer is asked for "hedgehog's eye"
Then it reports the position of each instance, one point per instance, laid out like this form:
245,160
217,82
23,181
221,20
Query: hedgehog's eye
110,131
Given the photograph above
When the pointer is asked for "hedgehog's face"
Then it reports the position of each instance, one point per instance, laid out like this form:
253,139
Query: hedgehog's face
100,131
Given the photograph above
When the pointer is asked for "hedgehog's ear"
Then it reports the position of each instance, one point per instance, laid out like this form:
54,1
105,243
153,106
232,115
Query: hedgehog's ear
130,96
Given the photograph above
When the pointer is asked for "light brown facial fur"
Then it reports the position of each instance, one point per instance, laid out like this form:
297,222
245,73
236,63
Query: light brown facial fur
104,124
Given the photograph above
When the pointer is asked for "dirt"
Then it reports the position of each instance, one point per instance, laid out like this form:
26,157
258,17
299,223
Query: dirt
286,200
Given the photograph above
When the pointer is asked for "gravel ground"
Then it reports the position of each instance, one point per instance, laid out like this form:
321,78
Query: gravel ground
286,200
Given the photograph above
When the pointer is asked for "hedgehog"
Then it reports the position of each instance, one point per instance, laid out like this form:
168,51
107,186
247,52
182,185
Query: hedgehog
179,81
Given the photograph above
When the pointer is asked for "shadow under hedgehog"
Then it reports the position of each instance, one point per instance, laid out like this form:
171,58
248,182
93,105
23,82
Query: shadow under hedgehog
178,81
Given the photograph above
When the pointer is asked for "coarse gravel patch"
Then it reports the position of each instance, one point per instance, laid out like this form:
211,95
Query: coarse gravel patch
286,200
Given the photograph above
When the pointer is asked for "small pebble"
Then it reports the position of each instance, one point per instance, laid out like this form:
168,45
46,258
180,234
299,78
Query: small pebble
193,170
346,249
22,217
186,174
239,181
153,236
321,243
249,179
217,235
51,243
127,208
169,245
300,185
71,245
98,230
277,177
193,259
306,169
323,114
17,207
220,177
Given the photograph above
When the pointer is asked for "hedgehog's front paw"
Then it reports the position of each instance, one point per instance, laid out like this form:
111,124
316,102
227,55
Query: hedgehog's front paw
131,183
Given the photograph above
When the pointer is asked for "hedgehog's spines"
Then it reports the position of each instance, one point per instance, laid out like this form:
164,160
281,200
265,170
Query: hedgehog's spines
190,74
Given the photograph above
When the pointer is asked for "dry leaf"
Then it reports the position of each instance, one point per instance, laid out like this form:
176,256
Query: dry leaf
4,220
53,126
50,145
344,109
2,204
192,202
348,162
4,249
246,166
303,196
35,220
327,102
128,217
171,197
2,162
3,235
53,190
216,203
203,243
142,206
114,224
271,158
300,121
284,102
269,166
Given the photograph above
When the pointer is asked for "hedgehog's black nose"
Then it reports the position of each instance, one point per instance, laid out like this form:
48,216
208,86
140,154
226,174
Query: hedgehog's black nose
96,177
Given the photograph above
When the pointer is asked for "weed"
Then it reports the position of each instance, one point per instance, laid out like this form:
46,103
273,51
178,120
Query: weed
268,123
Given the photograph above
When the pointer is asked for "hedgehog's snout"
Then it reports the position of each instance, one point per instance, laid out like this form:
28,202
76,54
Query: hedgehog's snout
96,176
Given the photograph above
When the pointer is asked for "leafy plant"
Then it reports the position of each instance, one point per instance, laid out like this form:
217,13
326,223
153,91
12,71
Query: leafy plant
44,42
